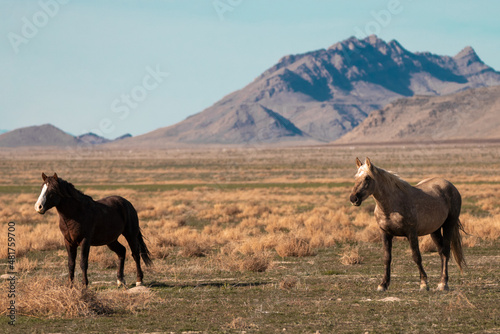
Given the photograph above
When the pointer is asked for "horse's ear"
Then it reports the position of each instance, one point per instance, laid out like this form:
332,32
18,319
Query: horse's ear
55,176
44,177
358,162
368,163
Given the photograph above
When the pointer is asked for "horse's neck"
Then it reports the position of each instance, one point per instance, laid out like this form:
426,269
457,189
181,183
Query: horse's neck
71,208
388,195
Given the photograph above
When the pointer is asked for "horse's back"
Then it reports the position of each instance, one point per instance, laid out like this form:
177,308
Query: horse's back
439,188
120,205
114,201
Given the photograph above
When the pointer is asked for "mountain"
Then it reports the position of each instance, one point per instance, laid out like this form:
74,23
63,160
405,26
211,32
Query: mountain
322,95
91,139
127,135
248,123
472,114
49,135
43,135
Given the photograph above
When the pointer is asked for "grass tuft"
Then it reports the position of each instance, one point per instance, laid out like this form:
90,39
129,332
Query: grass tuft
295,247
288,283
240,323
256,263
351,256
50,298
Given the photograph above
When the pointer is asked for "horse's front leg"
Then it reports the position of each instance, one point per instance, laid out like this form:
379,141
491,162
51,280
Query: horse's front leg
413,239
72,250
84,260
387,262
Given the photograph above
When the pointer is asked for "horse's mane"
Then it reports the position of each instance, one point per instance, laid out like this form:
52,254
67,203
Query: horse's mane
391,179
68,190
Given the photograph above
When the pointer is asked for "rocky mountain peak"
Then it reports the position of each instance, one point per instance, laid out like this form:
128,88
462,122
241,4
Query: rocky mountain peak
349,44
469,54
376,42
323,94
396,47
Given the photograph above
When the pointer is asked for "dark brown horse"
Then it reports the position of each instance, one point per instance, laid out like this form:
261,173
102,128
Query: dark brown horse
85,222
431,207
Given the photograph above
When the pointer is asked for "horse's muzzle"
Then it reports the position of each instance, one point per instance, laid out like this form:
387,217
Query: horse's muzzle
355,200
40,209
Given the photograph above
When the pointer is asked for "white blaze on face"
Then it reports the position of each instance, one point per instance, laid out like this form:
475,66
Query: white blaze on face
362,171
40,203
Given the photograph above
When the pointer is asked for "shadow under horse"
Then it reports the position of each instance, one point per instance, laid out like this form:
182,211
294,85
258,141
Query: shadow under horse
431,207
85,222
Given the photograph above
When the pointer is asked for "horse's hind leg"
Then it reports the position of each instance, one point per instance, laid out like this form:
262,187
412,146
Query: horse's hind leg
443,244
134,246
413,239
120,250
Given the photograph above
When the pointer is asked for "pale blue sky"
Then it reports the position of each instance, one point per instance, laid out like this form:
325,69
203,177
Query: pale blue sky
85,65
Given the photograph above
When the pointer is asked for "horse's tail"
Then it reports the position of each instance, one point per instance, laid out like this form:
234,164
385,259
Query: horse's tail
456,244
145,254
134,228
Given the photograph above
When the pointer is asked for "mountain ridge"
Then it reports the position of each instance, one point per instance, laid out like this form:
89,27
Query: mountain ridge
472,114
328,92
49,135
313,97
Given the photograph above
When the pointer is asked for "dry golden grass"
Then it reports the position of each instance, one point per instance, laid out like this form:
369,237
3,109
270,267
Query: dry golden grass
213,230
191,248
32,237
294,246
426,245
486,228
241,324
26,265
256,263
48,297
103,257
249,221
288,283
351,256
227,216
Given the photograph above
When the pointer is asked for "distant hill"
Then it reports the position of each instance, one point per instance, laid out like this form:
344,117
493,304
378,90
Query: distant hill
248,124
322,95
49,135
91,139
43,135
127,135
472,114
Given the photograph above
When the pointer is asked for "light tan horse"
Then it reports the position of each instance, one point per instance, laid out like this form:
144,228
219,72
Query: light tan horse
431,207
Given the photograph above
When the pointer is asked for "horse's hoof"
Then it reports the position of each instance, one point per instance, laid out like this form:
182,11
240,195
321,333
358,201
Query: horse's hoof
443,287
381,288
138,283
121,283
424,287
